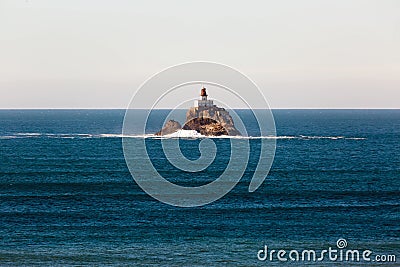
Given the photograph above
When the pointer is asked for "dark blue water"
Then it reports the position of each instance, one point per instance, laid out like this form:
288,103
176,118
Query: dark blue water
67,197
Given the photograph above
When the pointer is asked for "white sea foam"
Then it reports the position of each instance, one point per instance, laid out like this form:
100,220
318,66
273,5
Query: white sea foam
189,134
192,134
28,134
322,137
111,135
185,134
8,137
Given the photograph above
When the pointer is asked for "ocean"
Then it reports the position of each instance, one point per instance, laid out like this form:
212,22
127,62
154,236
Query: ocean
67,197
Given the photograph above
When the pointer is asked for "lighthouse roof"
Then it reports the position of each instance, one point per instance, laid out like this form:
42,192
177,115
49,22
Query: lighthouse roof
203,92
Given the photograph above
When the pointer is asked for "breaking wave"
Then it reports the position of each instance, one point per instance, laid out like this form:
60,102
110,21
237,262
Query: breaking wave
187,134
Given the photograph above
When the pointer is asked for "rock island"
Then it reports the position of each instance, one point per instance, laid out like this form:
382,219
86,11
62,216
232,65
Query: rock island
205,118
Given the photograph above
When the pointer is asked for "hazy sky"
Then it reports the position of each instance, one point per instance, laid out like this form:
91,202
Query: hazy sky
302,54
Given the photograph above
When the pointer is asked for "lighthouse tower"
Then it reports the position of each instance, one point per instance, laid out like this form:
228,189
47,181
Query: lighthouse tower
203,101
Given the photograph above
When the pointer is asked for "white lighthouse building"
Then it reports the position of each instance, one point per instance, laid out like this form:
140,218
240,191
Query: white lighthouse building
203,101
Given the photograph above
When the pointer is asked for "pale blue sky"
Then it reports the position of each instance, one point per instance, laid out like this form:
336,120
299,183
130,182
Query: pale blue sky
302,54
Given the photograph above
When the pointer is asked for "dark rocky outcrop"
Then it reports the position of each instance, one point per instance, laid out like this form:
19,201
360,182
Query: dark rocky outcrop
170,127
217,114
205,126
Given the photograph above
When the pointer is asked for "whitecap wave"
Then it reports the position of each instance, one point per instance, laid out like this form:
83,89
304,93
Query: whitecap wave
111,135
323,137
8,137
185,134
28,134
188,134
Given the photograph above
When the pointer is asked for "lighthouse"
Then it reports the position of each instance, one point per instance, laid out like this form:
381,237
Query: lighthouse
203,101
